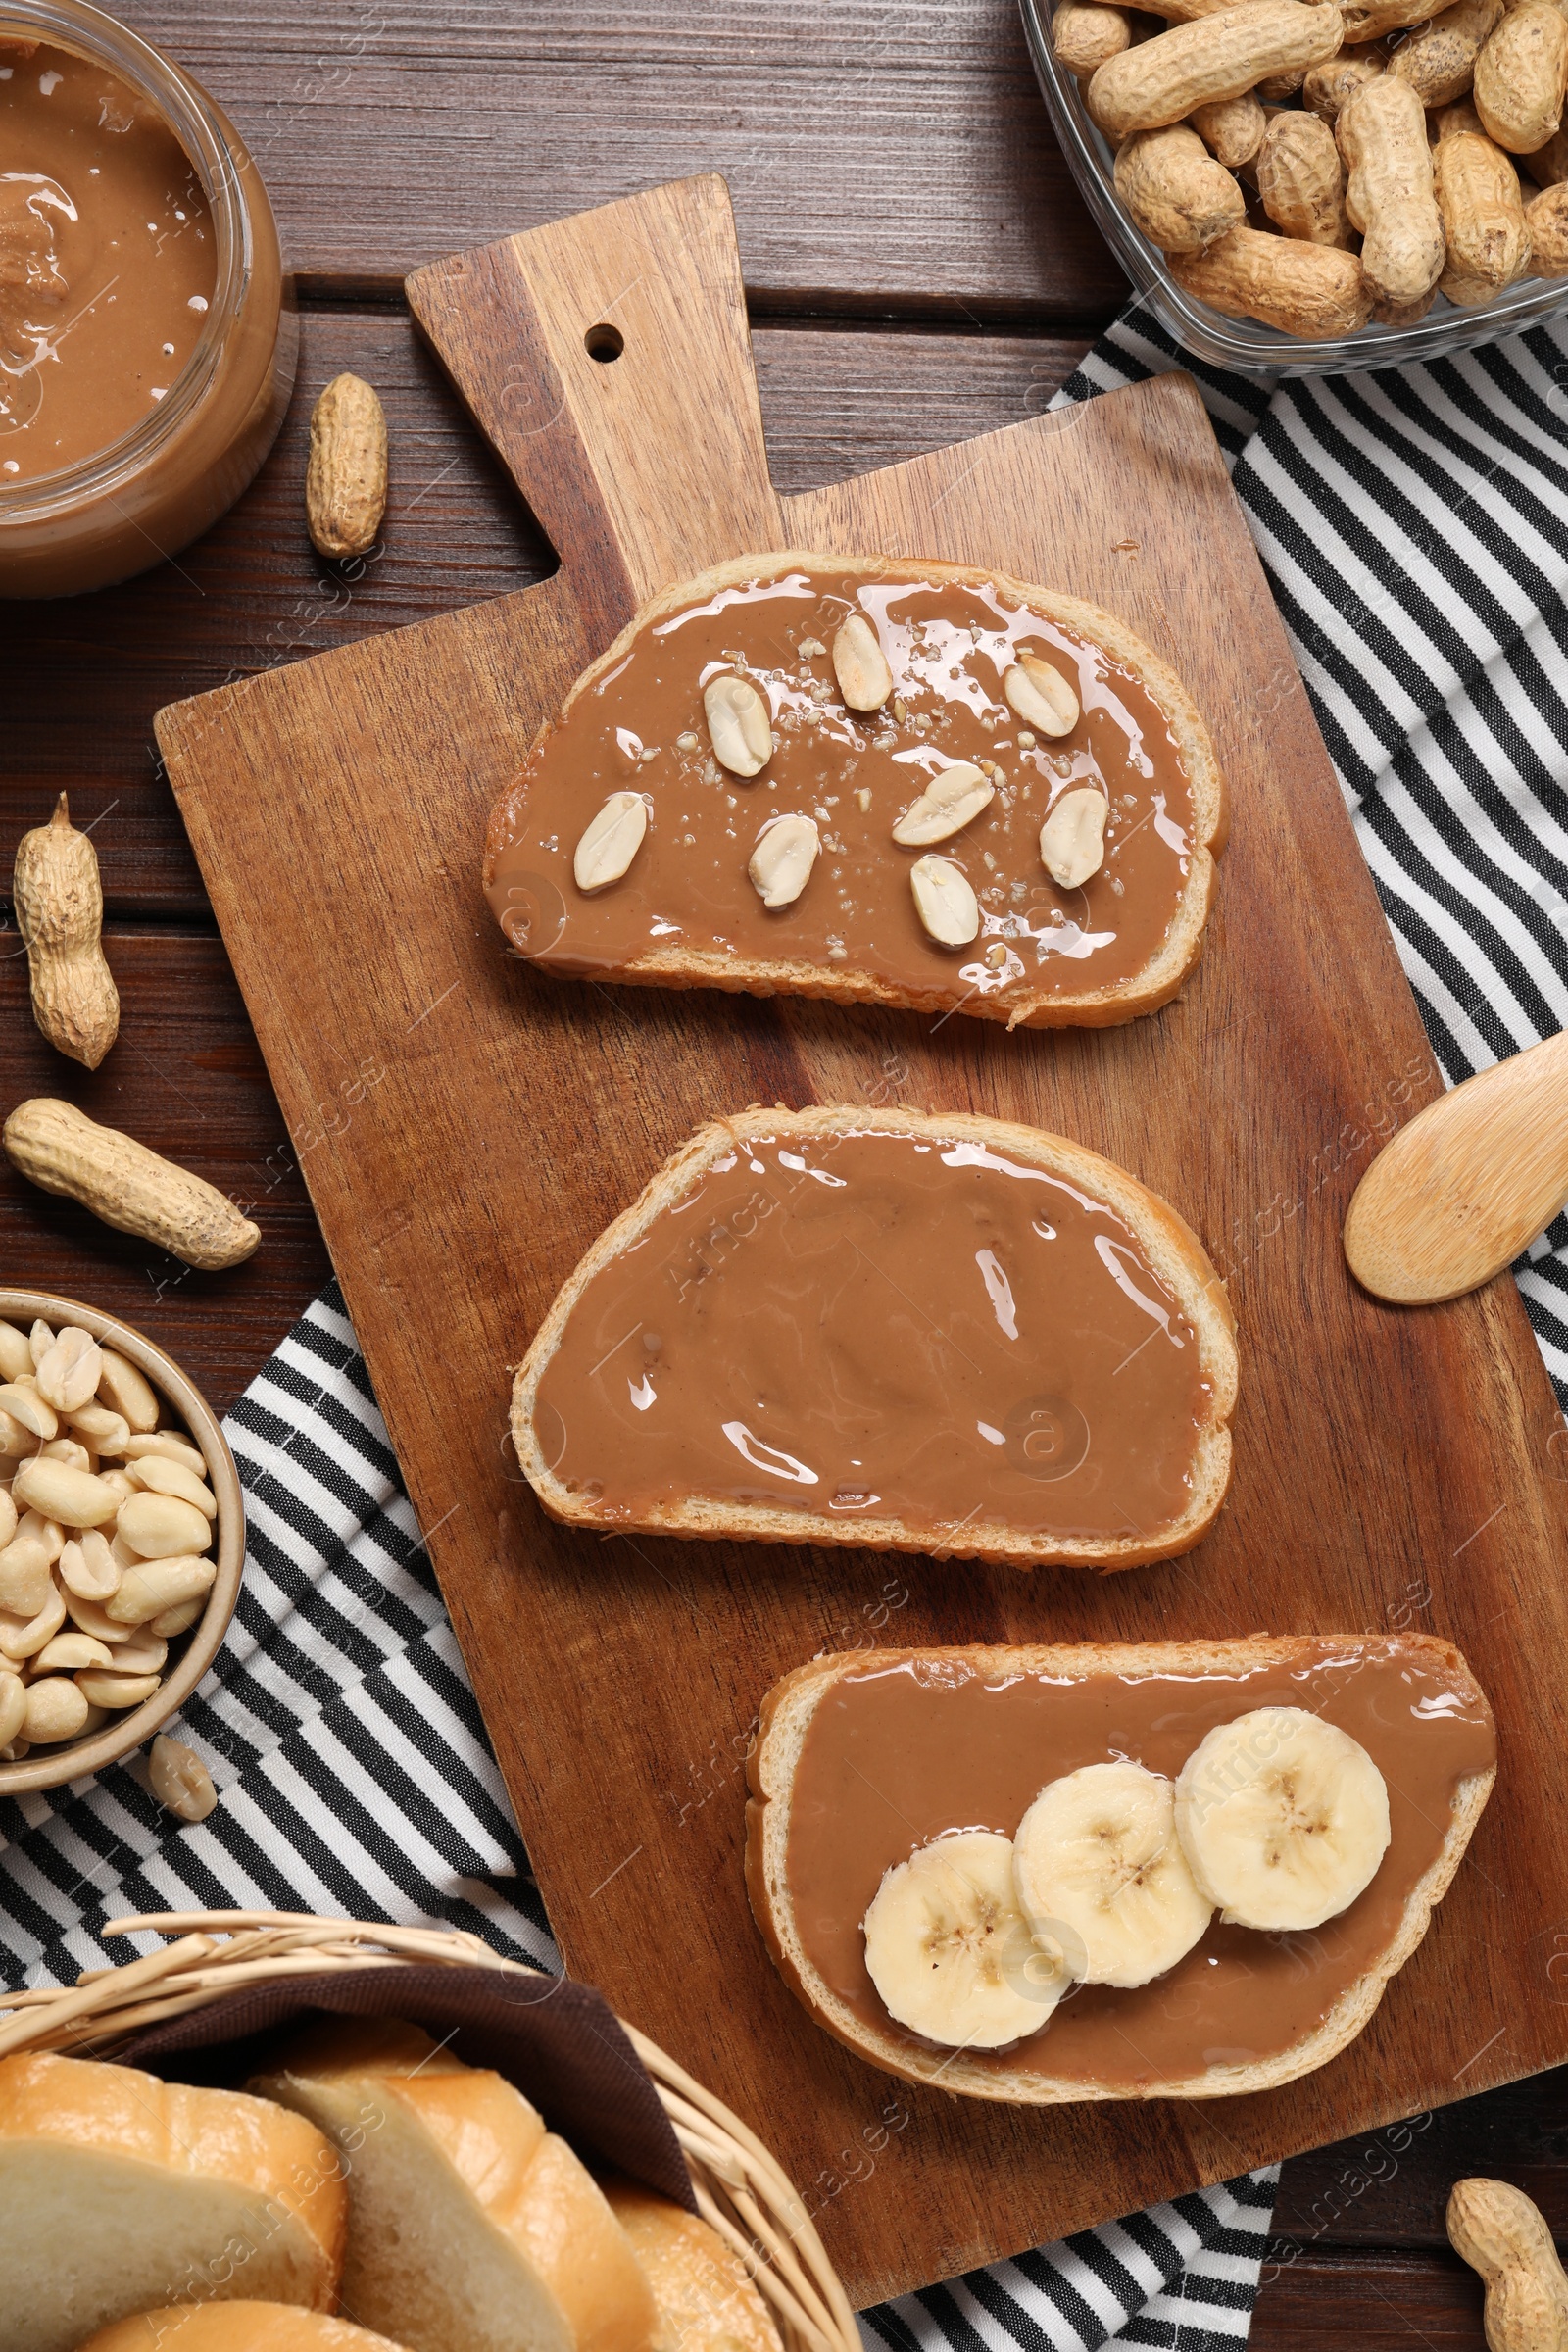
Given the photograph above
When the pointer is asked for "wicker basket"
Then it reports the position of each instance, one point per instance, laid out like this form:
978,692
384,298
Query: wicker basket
739,2187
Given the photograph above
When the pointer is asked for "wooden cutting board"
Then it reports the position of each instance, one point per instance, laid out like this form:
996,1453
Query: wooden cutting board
467,1124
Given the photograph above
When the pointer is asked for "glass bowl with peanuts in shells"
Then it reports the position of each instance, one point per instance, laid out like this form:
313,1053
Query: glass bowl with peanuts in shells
1307,187
121,1540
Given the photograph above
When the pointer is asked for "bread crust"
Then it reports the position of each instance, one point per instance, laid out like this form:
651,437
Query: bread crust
1160,979
785,1717
1174,1252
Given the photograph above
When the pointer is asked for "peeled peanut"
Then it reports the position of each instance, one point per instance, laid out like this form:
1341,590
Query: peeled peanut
165,1442
116,1691
24,1405
88,1568
1176,192
129,1392
24,1637
41,1339
1439,62
104,1430
15,1356
859,662
609,842
780,865
1216,56
944,899
949,802
25,1583
66,1450
12,1707
156,1585
56,1710
122,1484
1521,76
1388,195
1072,839
1037,693
146,1652
67,1654
160,1477
89,1615
47,1532
7,1518
168,1624
740,726
15,1440
75,1497
1483,218
181,1781
70,1371
158,1527
60,912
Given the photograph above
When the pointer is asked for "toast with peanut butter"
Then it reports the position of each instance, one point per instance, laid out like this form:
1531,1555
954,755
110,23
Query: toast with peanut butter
897,1329
1184,1870
882,781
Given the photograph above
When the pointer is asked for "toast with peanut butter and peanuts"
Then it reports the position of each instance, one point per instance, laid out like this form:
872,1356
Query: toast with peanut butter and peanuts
879,780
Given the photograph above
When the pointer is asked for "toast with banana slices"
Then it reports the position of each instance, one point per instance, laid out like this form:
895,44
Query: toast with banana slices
1184,1870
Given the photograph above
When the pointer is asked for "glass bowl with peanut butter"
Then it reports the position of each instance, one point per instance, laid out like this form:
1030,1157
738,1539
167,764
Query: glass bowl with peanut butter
147,335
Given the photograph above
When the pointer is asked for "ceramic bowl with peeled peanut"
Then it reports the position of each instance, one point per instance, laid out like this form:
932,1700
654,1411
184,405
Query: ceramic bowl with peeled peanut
121,1540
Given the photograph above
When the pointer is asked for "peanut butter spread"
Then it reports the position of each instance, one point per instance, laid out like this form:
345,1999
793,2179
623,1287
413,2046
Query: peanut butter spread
866,1324
642,728
899,1754
107,260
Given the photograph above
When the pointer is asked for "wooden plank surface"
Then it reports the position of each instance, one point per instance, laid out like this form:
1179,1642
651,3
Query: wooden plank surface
517,1114
1385,2302
881,159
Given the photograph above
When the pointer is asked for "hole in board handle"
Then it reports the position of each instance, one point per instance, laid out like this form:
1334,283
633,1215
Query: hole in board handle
603,343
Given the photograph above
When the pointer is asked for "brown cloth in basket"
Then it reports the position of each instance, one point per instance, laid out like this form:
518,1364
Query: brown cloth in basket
558,2042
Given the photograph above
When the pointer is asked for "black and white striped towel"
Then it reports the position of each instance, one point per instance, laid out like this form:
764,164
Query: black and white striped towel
1408,525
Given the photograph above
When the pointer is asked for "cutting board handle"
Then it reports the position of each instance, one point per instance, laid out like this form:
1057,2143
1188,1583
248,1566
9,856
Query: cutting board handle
608,358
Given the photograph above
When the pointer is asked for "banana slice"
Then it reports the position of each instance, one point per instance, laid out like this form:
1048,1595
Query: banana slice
951,1953
1283,1816
1096,1863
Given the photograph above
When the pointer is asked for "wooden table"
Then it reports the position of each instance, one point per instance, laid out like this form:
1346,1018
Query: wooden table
920,270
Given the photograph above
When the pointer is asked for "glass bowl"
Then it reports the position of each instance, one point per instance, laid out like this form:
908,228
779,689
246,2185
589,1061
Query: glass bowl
1243,345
